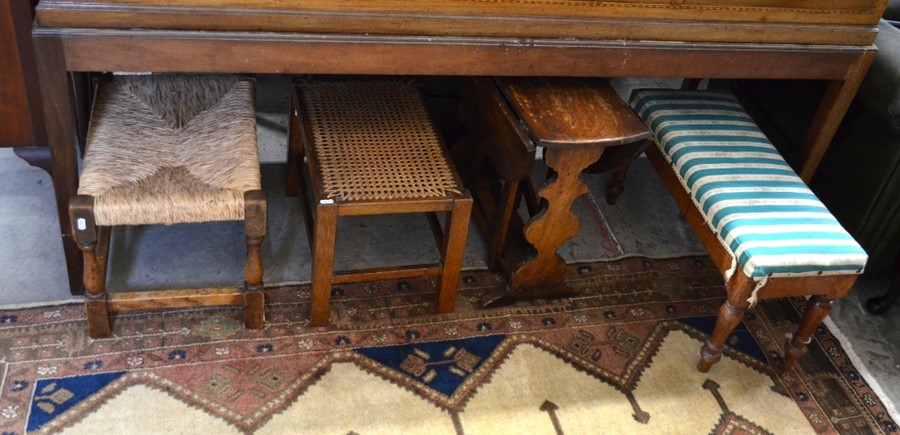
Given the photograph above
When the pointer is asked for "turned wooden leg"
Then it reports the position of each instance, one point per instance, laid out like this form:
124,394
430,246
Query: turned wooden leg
452,256
816,310
255,232
728,319
84,229
617,184
323,263
500,226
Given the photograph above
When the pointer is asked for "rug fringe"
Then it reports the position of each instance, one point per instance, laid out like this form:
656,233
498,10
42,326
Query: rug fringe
53,303
861,367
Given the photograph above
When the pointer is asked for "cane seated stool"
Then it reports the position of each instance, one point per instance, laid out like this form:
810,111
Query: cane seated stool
765,230
510,117
371,149
166,149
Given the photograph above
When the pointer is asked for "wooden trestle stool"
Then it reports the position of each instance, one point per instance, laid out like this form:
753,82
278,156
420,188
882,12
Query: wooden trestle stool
372,149
509,117
166,149
765,230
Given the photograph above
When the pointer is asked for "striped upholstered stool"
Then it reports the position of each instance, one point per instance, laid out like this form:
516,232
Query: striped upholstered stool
167,149
766,231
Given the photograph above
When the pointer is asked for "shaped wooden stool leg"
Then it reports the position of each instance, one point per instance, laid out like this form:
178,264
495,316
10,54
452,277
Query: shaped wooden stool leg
453,249
728,319
817,309
85,231
255,232
323,263
730,315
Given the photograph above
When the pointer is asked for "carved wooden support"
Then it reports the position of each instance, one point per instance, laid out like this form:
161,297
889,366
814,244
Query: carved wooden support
543,275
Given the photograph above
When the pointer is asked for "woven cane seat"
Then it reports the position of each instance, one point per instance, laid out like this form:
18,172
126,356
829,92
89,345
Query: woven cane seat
373,140
166,149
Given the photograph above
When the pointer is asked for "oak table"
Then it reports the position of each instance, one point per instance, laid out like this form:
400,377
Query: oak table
773,39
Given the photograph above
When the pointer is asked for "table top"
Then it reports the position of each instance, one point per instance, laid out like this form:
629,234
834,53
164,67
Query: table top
834,22
572,112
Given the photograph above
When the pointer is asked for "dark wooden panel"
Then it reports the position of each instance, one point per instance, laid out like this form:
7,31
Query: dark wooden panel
19,93
167,51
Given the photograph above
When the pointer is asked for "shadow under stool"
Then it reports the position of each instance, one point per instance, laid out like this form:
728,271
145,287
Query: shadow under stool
371,149
167,149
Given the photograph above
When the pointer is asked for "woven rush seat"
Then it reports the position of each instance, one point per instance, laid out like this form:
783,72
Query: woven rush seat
166,149
150,161
767,231
371,149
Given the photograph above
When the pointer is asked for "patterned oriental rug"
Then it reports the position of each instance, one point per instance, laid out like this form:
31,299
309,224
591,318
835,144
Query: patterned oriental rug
619,359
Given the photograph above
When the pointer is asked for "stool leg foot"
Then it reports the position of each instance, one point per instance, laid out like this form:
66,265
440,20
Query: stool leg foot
323,264
817,309
728,319
97,318
254,309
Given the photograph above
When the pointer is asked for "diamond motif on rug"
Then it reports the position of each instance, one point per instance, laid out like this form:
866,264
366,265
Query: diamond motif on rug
441,365
53,397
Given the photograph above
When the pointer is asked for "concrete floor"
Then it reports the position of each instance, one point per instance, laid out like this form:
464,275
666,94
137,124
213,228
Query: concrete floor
645,221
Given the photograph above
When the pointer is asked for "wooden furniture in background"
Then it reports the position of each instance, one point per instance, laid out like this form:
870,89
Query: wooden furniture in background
371,149
20,99
22,127
194,138
576,121
780,39
880,304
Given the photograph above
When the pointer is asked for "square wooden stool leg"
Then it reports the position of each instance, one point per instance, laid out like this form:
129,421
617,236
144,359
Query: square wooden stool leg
452,255
323,262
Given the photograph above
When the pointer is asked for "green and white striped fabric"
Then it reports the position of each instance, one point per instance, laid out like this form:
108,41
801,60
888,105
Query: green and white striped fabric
760,210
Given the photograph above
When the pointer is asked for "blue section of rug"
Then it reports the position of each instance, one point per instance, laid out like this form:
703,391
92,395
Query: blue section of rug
53,397
741,339
440,365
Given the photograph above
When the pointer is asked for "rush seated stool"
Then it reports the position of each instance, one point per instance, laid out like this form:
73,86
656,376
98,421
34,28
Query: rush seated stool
167,149
372,149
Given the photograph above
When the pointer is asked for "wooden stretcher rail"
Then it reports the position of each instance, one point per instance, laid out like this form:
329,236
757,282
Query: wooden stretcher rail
175,51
